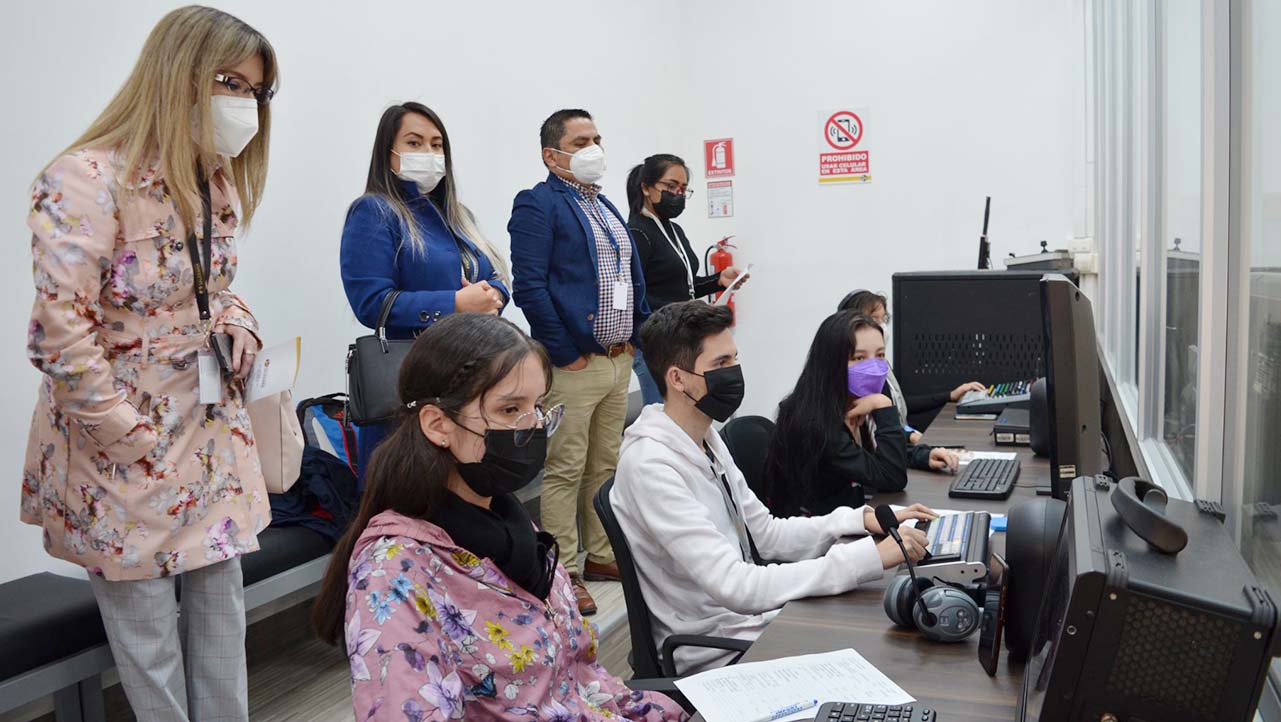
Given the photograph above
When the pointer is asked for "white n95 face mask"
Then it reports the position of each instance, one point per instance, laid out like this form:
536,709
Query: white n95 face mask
425,170
587,165
235,123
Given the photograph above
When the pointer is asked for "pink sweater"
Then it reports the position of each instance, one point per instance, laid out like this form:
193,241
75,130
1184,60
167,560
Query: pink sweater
434,633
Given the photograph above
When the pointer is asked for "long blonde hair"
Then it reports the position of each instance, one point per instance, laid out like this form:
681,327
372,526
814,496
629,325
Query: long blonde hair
167,95
384,184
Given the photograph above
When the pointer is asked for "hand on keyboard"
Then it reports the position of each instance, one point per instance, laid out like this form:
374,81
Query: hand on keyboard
942,459
967,390
892,556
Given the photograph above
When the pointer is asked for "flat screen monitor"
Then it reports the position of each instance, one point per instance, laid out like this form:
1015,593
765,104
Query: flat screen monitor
1073,401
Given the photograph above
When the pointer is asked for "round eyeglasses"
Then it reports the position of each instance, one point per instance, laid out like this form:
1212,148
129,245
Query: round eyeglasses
527,423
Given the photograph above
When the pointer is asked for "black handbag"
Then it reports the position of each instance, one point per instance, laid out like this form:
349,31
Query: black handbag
373,372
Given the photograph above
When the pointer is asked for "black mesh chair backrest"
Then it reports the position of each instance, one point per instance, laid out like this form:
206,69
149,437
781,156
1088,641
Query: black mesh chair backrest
748,440
644,656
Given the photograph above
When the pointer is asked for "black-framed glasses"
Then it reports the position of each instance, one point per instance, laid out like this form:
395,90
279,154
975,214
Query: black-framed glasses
675,189
241,87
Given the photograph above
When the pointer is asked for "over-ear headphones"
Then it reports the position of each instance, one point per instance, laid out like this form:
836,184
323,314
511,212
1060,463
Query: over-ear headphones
944,613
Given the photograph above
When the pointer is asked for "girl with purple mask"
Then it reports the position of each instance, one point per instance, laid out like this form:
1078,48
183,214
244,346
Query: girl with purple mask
916,410
839,438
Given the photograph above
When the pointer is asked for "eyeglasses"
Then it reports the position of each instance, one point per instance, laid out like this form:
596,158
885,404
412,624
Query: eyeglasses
526,424
675,189
241,87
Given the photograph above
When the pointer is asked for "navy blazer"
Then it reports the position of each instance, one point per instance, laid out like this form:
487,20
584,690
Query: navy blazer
554,273
376,259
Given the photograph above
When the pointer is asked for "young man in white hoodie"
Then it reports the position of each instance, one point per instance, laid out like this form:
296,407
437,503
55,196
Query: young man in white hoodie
691,520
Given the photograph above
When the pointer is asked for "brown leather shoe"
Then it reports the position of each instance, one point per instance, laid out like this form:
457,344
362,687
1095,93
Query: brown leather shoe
586,605
594,572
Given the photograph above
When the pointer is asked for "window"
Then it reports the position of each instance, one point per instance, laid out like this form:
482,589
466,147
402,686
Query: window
1179,241
1260,228
1121,76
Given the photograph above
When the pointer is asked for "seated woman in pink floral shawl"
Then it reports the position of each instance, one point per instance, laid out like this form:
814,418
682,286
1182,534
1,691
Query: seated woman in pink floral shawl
451,603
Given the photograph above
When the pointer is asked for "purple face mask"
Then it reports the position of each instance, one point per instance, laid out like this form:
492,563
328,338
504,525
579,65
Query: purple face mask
868,377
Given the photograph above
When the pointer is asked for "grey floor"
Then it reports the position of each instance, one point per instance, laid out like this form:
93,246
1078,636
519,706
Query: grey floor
294,677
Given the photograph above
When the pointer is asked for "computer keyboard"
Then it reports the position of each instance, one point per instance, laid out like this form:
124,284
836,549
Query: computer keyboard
858,712
986,479
946,536
995,398
956,547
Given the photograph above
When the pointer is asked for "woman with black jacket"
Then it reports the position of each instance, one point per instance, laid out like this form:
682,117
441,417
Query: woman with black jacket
656,192
838,435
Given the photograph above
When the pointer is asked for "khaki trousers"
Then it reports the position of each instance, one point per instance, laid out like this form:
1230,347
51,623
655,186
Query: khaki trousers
583,453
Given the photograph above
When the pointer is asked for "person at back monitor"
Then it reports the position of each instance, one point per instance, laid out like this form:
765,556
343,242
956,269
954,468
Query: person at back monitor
691,519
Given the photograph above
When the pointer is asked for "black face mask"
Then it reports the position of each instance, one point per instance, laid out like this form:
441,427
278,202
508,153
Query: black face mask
725,391
670,205
505,467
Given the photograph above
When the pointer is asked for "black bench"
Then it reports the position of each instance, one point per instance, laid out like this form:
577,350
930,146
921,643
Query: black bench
52,637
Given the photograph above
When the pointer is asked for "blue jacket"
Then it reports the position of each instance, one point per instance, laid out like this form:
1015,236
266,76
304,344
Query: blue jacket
374,263
554,278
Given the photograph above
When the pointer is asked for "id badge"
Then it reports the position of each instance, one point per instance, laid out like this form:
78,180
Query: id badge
210,377
620,296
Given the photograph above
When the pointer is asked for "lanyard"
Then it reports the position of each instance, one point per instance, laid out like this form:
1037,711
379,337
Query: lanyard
745,543
200,268
680,252
471,266
594,204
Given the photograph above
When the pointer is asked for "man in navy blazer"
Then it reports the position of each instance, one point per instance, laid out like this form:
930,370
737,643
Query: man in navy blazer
578,281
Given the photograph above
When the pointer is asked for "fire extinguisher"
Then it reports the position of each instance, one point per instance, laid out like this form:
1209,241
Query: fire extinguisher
720,260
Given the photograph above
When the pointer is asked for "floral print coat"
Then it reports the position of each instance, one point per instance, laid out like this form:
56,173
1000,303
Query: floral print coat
130,476
435,633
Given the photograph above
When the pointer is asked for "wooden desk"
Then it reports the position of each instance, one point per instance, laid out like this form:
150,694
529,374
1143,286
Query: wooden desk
946,677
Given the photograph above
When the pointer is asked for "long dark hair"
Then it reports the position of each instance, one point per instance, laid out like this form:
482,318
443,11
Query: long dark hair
453,362
649,173
815,406
385,184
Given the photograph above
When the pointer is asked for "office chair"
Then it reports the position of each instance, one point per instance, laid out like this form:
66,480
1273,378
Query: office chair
635,405
748,440
652,670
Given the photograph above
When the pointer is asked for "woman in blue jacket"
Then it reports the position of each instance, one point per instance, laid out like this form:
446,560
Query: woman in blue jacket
409,233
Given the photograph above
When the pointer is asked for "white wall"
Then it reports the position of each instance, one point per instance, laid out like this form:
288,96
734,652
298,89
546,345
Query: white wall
969,99
966,99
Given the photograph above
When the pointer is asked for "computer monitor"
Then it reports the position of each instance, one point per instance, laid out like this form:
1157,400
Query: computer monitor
956,326
1072,383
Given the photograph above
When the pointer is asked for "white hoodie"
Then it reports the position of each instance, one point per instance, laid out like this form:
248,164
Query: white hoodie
691,569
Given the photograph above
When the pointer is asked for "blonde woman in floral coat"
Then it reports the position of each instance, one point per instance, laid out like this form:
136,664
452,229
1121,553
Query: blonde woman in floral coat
132,472
451,604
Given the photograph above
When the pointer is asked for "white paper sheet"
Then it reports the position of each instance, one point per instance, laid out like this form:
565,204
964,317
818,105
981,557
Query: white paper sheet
733,287
753,690
274,370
